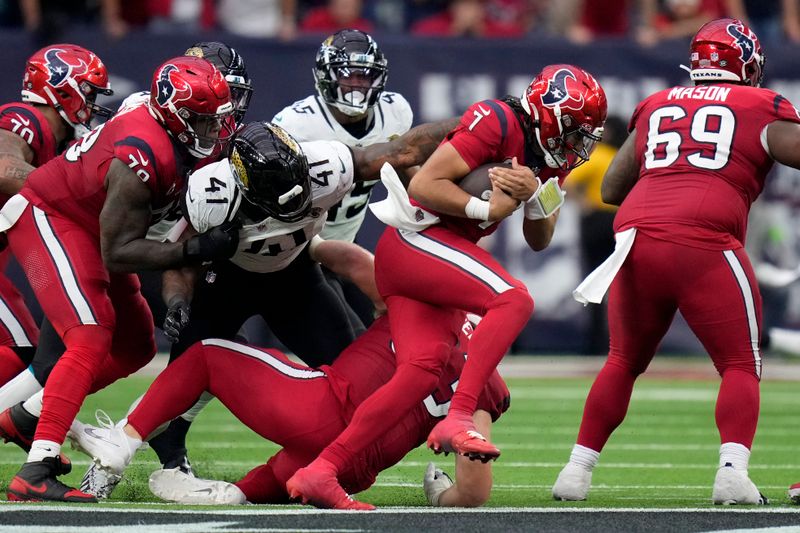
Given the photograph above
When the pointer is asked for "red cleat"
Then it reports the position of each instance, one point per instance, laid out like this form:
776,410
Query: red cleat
36,482
458,435
316,485
18,426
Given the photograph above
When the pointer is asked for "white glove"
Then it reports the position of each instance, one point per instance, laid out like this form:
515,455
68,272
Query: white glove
545,201
435,483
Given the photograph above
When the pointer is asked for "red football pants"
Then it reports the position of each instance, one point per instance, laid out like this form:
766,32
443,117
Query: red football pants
717,294
103,319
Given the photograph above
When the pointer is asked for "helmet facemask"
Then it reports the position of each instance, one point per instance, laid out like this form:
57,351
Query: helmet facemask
206,133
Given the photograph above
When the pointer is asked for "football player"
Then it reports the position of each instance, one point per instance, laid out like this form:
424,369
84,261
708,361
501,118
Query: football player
255,385
422,270
59,89
286,189
351,106
78,228
695,160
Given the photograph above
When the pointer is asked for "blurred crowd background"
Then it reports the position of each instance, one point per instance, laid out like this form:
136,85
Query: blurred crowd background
580,21
444,55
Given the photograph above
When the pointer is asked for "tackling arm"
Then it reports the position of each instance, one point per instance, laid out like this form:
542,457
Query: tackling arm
410,149
350,261
622,173
15,162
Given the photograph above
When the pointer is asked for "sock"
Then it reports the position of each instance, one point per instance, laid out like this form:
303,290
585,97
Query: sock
606,405
584,457
34,404
43,448
19,389
735,454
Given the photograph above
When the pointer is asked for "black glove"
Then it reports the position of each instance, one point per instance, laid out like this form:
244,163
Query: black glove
177,319
217,243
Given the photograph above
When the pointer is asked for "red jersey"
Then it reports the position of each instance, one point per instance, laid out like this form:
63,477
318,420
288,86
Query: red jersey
353,379
73,184
490,131
703,161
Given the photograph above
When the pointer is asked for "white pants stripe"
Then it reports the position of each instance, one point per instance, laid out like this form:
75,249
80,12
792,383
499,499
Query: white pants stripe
274,362
13,326
749,303
64,269
456,258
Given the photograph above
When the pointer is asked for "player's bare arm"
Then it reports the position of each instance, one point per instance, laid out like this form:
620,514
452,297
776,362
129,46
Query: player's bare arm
350,261
622,173
15,162
783,141
410,149
473,479
539,233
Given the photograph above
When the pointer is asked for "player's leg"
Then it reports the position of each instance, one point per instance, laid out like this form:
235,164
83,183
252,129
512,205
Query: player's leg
441,268
67,273
422,336
723,308
360,308
304,312
641,309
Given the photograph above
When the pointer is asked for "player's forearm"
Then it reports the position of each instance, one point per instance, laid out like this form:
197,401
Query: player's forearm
13,173
178,285
143,254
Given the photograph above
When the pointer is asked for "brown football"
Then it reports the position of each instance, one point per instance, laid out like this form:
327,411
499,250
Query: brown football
477,181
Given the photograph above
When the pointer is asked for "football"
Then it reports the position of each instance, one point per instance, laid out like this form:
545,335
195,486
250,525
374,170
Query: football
477,181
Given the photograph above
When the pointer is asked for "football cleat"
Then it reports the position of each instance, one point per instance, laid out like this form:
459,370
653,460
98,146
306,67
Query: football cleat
37,481
107,445
181,463
794,493
457,434
18,426
99,481
174,485
733,487
317,485
572,484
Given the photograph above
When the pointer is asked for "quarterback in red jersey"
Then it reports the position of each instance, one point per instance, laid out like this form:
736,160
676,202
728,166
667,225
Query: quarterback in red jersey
78,229
426,275
59,88
255,385
694,162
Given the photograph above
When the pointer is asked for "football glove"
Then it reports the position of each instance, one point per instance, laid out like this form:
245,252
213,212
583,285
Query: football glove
435,483
177,319
545,201
215,244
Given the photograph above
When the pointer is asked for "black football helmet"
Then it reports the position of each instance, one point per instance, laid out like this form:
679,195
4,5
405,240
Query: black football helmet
351,71
272,172
232,66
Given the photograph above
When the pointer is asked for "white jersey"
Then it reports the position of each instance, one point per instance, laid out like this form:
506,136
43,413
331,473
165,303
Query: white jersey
311,120
270,245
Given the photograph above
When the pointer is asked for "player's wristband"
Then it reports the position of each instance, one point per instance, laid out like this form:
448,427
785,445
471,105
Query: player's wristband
477,209
545,201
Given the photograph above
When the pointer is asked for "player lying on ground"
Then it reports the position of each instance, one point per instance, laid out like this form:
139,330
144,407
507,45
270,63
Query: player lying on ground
302,409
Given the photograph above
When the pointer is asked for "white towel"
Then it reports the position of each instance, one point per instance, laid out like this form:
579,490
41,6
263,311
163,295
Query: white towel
11,211
594,287
396,210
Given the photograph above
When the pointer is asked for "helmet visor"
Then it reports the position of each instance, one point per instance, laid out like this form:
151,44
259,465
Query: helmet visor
576,147
241,92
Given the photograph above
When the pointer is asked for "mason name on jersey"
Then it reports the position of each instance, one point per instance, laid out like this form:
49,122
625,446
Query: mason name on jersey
269,245
311,120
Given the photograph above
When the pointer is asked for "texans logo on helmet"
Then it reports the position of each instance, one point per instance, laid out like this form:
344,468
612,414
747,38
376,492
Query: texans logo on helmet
557,93
60,70
746,43
168,89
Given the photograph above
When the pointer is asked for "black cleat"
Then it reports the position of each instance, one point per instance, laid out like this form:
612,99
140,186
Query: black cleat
18,426
37,482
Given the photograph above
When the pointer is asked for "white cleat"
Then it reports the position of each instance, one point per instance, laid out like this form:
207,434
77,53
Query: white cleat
99,481
108,445
573,483
732,487
173,485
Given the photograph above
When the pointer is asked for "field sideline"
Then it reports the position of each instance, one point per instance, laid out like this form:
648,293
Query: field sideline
661,462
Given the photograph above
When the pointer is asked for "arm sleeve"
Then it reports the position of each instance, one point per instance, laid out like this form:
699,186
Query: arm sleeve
24,123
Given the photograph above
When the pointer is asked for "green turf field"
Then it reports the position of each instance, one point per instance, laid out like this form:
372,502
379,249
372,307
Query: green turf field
664,455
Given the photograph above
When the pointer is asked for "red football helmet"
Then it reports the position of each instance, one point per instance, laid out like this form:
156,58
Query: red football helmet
67,78
191,98
727,50
567,108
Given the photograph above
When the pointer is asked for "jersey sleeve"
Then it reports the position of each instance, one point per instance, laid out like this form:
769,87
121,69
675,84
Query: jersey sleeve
784,110
298,120
137,153
134,100
212,196
401,109
479,135
25,123
636,114
331,166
